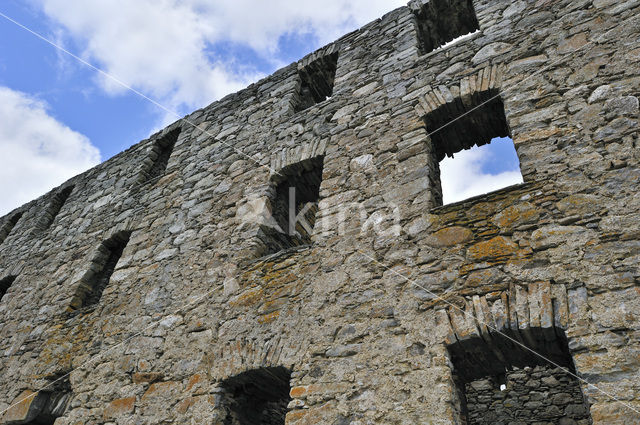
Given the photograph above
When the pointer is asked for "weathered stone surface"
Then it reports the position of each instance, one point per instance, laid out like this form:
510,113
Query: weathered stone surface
493,248
516,215
120,407
451,236
551,236
489,51
556,398
363,311
24,407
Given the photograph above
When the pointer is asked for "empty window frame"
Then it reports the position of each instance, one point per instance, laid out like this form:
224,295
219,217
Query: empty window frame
500,381
441,21
159,154
316,81
5,284
8,226
259,396
54,208
94,282
294,204
50,404
458,126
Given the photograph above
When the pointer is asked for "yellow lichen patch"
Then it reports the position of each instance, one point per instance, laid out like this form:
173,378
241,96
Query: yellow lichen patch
447,217
273,305
268,318
498,247
281,291
193,381
248,297
122,406
451,236
516,215
268,276
297,392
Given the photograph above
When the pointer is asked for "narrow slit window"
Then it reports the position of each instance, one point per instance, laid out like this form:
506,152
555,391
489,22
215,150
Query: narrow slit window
441,21
259,396
6,229
5,284
159,155
472,147
502,382
316,81
294,205
54,207
102,267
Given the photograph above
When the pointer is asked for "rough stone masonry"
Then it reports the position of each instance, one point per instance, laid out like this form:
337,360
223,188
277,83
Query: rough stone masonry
164,286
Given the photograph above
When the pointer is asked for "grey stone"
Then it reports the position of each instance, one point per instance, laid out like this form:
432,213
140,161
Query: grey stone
209,286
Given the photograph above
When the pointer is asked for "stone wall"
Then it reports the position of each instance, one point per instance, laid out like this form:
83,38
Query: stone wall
540,395
363,313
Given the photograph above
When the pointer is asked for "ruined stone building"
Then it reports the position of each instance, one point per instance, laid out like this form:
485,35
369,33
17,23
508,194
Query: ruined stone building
165,286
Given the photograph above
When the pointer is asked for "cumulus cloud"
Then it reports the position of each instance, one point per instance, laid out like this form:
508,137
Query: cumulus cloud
36,147
463,177
166,48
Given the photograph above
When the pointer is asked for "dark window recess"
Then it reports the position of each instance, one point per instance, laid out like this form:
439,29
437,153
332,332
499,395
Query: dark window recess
317,80
102,267
50,404
501,382
257,397
440,21
471,126
459,125
54,207
8,226
294,204
156,163
5,284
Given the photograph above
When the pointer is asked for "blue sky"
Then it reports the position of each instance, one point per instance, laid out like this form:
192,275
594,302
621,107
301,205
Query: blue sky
58,117
29,65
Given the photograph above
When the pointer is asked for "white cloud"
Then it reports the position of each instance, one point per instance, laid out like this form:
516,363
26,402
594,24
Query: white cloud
462,177
36,147
163,47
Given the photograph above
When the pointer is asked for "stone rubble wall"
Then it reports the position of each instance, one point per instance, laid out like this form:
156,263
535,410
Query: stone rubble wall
540,395
356,317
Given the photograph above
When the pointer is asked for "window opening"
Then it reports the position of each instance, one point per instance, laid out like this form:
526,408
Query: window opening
441,21
54,207
5,284
480,170
500,382
45,407
317,81
294,205
459,132
102,267
9,225
159,156
258,397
